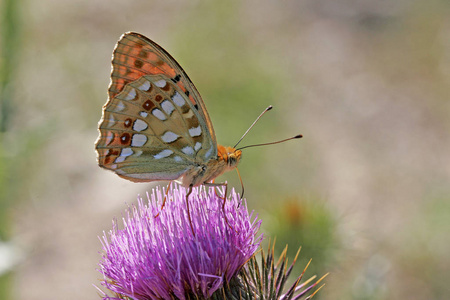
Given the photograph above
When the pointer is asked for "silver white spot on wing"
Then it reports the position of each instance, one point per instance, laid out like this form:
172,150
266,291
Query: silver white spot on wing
120,106
126,152
120,172
195,131
143,114
178,99
120,159
188,150
131,95
178,159
109,138
139,125
169,137
145,86
197,146
111,121
209,153
160,83
123,154
159,114
162,154
168,107
138,140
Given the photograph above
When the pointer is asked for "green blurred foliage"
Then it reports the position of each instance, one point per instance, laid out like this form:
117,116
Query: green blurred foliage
305,223
225,65
9,52
426,243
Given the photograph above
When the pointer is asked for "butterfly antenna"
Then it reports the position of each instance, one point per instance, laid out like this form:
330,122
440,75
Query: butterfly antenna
266,110
273,143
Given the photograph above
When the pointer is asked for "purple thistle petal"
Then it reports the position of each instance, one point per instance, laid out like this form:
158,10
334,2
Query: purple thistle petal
160,258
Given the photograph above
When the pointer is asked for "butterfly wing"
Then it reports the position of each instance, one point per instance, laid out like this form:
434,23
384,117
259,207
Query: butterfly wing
154,125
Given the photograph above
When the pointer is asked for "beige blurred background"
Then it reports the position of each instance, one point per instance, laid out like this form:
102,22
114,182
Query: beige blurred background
367,82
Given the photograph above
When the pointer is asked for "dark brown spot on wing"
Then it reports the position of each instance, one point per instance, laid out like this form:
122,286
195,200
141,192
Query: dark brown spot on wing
148,105
143,54
185,109
125,138
176,78
127,123
166,87
109,157
138,63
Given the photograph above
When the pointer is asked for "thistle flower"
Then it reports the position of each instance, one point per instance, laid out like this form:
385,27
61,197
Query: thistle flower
161,258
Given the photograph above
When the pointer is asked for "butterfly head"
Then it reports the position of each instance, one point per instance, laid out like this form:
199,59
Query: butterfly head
229,155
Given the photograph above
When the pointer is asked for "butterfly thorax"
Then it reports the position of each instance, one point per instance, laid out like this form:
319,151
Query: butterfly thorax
227,159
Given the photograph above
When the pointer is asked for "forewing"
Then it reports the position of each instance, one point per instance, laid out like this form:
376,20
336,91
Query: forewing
154,124
135,55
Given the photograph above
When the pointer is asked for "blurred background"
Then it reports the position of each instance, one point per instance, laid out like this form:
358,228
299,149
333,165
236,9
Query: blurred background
367,82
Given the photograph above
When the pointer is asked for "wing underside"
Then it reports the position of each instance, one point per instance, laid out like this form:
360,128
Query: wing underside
154,124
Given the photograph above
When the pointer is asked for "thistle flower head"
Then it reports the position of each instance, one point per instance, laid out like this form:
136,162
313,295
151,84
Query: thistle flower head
161,258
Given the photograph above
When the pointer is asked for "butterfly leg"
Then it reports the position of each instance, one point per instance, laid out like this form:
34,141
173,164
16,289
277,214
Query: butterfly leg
242,186
215,191
188,211
165,198
224,198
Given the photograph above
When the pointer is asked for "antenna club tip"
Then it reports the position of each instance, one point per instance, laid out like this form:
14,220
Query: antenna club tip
269,108
299,136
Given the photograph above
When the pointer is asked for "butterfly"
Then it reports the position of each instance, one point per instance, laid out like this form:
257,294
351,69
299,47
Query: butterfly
155,125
